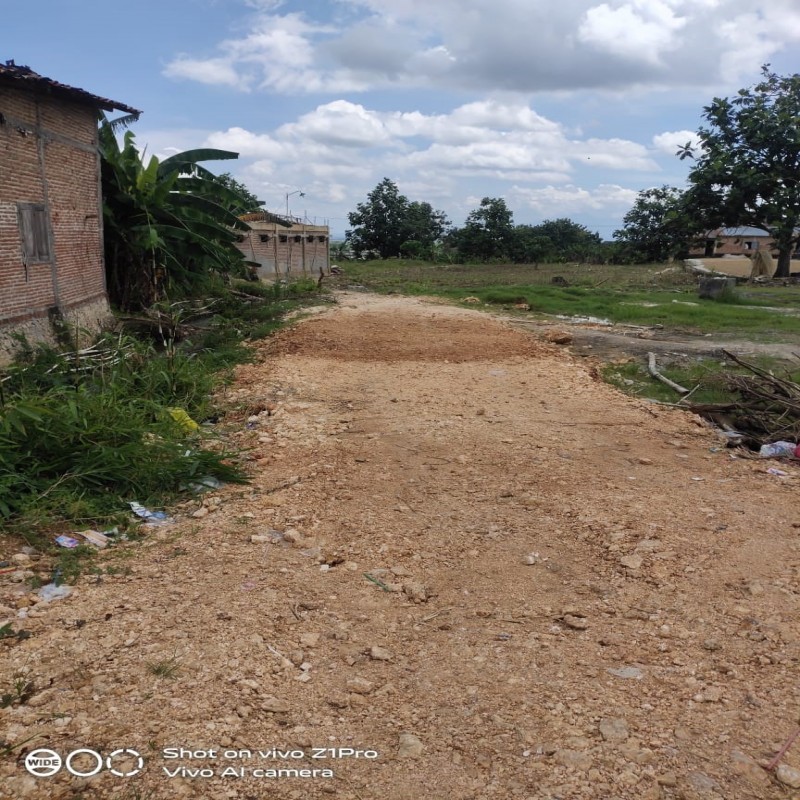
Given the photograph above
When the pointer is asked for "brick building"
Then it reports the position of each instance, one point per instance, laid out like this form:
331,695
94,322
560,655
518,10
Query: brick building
51,223
285,246
735,242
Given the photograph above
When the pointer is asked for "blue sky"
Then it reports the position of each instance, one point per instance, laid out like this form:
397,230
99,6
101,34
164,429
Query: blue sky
564,109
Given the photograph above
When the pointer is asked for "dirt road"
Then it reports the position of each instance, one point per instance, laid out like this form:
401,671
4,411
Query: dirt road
461,554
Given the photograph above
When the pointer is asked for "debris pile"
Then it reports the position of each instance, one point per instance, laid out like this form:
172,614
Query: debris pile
767,407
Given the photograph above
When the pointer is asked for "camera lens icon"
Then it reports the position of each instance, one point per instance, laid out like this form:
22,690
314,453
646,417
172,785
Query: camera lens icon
43,762
84,763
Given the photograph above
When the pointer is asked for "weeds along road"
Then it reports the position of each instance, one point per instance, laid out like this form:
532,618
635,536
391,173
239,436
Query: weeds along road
465,569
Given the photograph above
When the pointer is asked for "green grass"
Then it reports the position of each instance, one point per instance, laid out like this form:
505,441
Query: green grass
634,295
166,668
79,438
707,377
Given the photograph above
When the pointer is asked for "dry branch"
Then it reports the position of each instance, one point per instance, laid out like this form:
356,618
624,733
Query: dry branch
653,370
766,407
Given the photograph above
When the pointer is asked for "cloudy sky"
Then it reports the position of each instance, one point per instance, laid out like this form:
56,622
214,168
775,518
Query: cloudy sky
563,108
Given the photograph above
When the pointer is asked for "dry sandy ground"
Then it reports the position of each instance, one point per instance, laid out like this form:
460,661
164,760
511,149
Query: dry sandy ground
574,594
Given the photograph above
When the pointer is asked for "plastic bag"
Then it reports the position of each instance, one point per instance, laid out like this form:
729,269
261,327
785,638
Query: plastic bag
151,517
184,420
778,450
51,591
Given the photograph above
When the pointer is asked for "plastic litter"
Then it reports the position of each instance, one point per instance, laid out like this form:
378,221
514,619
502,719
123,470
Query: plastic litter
204,484
151,517
51,591
732,438
779,472
626,672
66,541
184,420
778,450
95,537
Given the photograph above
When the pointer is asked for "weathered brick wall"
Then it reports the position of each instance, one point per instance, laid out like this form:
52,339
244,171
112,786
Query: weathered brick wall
48,154
281,254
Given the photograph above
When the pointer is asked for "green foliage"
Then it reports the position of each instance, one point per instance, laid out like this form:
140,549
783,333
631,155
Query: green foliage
490,235
388,220
7,632
657,227
167,225
247,202
487,234
747,170
83,433
20,690
103,437
636,294
166,668
569,240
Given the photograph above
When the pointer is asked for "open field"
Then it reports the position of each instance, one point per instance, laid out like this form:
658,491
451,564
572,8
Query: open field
637,295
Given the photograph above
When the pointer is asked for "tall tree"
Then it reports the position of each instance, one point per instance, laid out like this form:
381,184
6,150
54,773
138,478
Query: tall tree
388,220
424,224
571,240
530,245
657,227
488,233
747,169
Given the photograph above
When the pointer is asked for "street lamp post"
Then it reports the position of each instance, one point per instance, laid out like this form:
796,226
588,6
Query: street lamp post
289,194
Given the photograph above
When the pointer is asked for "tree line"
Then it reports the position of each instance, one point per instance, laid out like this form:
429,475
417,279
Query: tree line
389,225
746,172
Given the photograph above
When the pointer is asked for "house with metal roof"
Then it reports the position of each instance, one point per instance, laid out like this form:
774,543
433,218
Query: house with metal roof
52,277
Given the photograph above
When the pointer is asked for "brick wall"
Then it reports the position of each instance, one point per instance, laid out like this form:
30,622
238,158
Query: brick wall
48,155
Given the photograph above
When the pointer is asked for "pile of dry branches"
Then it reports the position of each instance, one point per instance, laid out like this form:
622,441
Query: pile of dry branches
766,409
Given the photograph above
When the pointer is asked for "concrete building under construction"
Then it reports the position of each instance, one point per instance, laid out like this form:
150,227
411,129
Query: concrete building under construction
285,247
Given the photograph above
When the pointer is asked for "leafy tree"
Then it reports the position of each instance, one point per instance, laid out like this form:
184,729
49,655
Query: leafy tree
747,170
657,227
424,225
488,233
248,202
167,224
388,219
570,240
531,246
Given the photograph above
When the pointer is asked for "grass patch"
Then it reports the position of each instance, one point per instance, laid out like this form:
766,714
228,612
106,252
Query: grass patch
166,668
81,434
634,295
708,374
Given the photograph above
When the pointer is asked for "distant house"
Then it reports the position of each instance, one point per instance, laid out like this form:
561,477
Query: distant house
284,246
735,242
51,222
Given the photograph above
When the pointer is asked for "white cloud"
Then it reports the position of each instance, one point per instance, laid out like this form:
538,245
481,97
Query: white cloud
669,141
339,123
212,71
502,140
338,151
517,45
614,154
556,200
639,31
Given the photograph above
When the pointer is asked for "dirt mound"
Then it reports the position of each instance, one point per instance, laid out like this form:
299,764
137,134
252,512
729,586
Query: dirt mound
429,336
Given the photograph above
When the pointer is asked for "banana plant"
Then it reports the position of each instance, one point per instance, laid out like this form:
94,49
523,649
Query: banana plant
168,225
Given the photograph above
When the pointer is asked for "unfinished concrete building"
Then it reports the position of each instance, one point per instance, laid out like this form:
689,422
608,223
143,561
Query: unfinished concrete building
285,252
